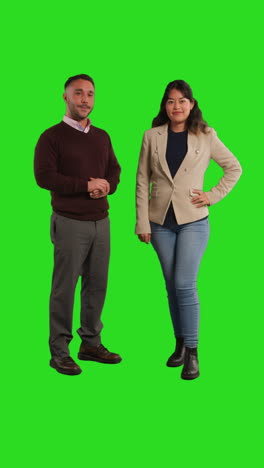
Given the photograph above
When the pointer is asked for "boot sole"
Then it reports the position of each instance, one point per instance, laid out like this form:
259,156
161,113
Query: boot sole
87,357
188,377
65,372
178,364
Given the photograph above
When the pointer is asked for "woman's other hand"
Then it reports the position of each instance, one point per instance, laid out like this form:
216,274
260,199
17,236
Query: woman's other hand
144,238
201,199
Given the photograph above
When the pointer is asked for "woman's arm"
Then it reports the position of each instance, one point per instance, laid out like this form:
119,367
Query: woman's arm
142,188
232,169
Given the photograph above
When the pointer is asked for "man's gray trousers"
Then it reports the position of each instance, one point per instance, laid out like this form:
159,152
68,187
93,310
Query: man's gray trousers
81,248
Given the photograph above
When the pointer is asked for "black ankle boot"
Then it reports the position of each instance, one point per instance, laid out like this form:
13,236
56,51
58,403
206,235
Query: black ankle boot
190,369
177,358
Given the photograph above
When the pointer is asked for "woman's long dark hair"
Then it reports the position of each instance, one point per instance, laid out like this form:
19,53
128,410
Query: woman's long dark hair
195,122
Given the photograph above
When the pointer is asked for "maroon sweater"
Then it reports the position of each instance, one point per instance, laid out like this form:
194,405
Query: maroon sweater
65,159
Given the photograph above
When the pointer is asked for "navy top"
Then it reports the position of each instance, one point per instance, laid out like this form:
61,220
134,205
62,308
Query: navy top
175,154
176,150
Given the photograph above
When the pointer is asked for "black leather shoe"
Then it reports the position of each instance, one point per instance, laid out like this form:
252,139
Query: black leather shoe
65,365
190,369
98,354
177,358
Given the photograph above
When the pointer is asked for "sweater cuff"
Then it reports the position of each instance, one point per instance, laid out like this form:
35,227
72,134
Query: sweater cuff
83,186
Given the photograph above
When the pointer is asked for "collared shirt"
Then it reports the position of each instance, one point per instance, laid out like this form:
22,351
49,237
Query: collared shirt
75,124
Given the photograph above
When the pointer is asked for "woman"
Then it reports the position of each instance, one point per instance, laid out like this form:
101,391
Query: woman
172,207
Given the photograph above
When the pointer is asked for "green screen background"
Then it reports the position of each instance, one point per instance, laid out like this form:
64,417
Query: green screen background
138,413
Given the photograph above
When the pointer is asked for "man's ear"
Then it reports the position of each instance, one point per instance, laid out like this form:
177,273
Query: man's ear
64,97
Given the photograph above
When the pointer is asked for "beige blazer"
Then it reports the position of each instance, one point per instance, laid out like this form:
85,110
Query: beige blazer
156,189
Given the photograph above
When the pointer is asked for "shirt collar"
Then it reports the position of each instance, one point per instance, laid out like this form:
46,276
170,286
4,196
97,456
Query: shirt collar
75,124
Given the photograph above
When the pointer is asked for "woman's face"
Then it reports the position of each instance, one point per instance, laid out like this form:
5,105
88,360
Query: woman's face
178,107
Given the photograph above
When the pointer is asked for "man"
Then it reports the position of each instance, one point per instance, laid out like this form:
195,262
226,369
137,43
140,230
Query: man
76,162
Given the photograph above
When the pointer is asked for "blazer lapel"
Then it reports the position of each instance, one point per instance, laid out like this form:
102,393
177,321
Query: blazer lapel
162,138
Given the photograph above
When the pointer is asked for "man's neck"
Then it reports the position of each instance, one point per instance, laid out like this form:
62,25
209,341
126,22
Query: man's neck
83,122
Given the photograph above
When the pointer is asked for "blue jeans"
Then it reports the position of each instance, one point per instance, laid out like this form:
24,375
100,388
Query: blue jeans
180,250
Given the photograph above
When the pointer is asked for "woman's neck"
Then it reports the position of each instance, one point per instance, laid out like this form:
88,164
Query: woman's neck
177,127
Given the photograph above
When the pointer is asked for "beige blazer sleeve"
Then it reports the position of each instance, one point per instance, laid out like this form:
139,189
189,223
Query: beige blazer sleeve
232,169
142,187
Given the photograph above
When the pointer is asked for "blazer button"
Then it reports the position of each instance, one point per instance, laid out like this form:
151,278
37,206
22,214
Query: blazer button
197,151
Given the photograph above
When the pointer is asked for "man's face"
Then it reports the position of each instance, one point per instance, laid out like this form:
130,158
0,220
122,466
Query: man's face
79,98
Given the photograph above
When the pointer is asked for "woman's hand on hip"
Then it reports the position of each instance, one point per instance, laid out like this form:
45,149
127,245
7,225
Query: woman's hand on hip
144,238
201,199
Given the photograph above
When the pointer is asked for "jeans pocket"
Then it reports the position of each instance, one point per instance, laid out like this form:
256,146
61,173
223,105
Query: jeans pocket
156,227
